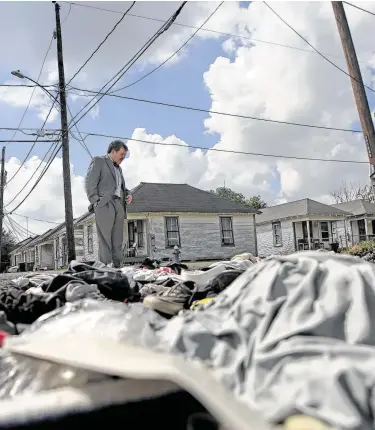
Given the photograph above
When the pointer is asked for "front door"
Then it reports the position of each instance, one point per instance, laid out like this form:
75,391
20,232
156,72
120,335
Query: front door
136,234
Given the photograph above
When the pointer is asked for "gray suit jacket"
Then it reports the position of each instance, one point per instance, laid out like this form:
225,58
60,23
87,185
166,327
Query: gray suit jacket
100,182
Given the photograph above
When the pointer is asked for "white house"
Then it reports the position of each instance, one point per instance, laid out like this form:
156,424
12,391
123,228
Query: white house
49,249
361,221
300,225
202,224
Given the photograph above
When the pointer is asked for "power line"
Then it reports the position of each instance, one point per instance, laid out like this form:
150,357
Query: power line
28,129
31,177
79,140
209,30
357,7
32,94
127,66
37,219
13,230
228,151
191,108
67,16
318,52
22,228
103,41
26,86
52,157
171,56
32,147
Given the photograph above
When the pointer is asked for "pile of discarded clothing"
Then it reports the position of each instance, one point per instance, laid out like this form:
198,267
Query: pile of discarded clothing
292,335
167,288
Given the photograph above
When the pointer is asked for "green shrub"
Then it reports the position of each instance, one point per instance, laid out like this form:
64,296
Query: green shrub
360,249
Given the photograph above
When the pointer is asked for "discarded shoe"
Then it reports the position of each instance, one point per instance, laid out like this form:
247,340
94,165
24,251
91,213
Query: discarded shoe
173,300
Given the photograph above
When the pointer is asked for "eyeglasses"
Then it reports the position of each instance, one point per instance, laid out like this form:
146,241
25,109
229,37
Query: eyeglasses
127,154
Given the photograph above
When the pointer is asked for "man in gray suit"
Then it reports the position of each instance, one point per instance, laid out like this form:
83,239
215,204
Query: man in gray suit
108,196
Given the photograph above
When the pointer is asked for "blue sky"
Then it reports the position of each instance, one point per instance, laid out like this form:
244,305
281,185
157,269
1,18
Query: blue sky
176,82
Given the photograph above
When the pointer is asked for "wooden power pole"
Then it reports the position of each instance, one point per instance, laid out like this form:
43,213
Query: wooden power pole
65,143
357,85
2,186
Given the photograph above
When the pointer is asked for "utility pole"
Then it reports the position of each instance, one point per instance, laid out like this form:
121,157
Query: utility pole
357,85
65,143
2,186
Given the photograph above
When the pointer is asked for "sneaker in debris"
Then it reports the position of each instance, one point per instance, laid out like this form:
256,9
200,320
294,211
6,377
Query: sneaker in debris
173,300
150,289
77,290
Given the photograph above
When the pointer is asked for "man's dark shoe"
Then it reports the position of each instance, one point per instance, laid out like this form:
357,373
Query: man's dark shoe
173,300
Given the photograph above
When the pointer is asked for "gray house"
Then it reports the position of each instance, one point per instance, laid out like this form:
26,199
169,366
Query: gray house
301,225
361,221
202,224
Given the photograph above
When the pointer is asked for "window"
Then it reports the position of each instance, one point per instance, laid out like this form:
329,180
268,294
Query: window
226,227
276,232
140,242
79,241
90,244
172,231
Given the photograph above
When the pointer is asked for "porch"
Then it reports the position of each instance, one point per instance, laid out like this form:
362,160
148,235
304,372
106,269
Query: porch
44,257
361,229
314,235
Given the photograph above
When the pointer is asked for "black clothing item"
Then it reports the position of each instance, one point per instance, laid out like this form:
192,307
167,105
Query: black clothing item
24,308
169,412
111,282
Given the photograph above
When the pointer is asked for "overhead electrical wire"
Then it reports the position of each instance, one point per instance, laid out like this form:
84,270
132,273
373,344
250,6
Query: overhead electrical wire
13,230
33,145
127,66
80,139
33,92
37,219
191,108
28,232
50,149
22,130
25,86
171,56
208,30
52,157
67,16
316,50
360,8
228,151
102,42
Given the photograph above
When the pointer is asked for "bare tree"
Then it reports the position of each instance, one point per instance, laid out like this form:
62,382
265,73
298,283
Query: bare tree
348,192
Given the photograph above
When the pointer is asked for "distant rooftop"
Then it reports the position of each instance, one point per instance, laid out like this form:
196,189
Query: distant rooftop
305,207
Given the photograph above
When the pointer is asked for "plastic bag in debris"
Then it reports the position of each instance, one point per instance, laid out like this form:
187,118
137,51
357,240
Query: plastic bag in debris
117,321
23,375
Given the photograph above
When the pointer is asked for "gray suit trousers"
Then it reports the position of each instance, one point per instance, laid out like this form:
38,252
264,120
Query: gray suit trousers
110,227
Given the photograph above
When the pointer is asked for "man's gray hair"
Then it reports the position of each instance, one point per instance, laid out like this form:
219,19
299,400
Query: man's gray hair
116,145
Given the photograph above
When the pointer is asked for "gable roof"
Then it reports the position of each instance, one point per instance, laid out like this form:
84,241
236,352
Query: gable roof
154,197
21,245
305,207
357,207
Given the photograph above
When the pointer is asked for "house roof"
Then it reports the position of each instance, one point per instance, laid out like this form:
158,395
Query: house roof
305,207
154,197
357,207
22,244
